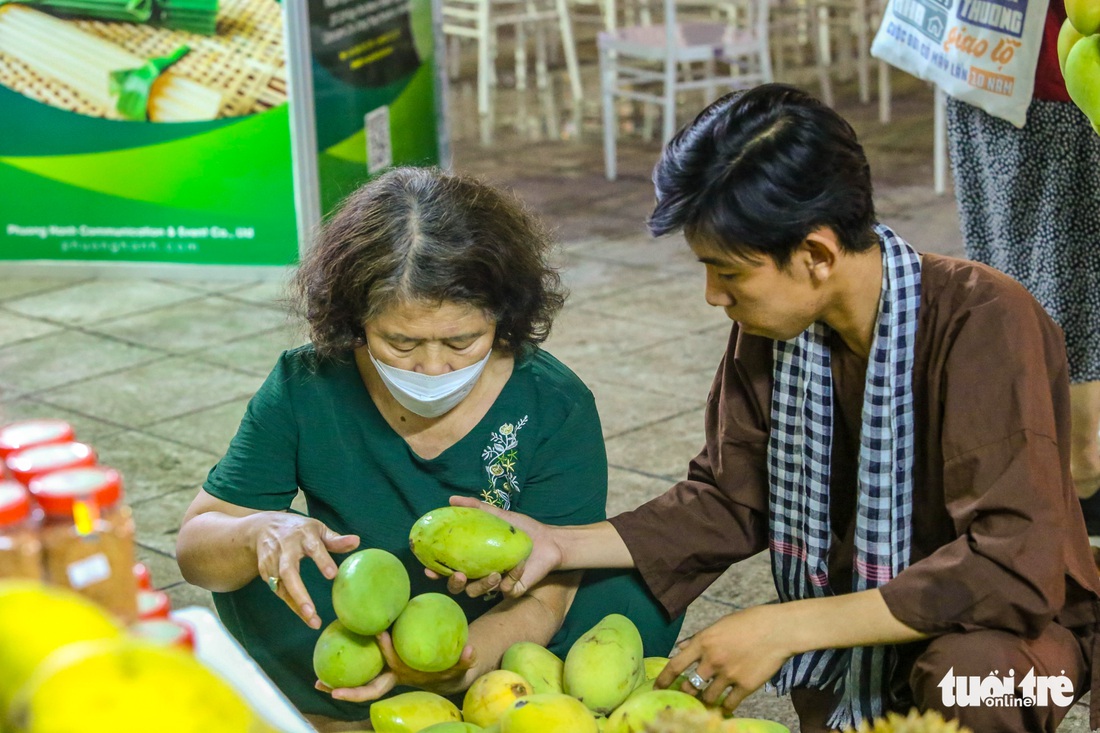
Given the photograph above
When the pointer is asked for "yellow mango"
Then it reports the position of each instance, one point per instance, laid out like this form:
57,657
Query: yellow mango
640,710
412,712
654,666
36,620
491,694
548,713
466,540
126,685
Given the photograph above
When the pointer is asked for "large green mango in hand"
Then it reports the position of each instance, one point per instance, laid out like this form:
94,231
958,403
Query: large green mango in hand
430,633
1083,77
458,539
412,712
370,591
605,664
342,658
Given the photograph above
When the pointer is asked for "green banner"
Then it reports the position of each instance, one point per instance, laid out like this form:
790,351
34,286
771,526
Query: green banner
170,136
374,90
204,178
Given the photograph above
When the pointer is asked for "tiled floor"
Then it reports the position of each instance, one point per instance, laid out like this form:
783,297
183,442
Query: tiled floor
156,373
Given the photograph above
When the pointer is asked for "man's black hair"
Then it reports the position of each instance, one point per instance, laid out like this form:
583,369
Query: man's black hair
759,170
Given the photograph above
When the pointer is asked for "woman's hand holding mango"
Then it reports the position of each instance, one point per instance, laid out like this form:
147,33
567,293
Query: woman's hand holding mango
397,673
738,654
545,557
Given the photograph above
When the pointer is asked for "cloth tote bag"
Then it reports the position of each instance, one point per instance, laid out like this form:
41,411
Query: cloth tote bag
983,52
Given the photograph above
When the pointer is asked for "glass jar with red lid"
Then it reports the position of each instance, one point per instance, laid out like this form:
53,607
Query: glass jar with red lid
29,463
20,545
88,536
29,433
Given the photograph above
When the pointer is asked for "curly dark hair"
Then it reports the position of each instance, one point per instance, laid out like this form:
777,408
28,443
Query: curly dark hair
426,235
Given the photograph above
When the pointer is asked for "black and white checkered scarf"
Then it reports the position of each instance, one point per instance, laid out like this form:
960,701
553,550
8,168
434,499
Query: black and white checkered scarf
799,454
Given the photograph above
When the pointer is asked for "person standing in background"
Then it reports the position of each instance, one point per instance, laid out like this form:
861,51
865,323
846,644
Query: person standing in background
1029,205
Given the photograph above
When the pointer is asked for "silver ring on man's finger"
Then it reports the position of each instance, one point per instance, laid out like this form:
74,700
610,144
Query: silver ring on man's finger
697,682
273,583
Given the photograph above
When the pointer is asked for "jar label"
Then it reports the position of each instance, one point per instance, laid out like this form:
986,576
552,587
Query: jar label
89,571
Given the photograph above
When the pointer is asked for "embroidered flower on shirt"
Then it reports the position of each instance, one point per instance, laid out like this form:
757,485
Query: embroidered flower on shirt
500,457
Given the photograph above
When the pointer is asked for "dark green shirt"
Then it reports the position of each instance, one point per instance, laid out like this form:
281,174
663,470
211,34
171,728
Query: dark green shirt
312,425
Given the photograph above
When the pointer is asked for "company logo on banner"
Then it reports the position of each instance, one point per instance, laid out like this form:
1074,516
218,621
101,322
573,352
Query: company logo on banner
993,691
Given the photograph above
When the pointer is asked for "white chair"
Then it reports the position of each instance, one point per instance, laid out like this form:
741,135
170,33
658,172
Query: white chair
481,20
636,58
828,29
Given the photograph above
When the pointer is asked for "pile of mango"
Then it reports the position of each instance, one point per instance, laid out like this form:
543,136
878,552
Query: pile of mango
1079,56
67,665
604,684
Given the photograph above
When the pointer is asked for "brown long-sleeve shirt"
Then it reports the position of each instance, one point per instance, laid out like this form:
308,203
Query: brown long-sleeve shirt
998,537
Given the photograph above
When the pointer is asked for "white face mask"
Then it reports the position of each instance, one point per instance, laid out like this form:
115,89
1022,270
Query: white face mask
429,395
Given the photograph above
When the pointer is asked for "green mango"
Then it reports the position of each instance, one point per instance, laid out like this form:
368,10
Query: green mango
605,664
370,591
412,712
654,666
1083,77
538,665
494,728
641,689
1085,16
548,713
639,711
430,633
453,728
469,541
1067,37
342,658
754,725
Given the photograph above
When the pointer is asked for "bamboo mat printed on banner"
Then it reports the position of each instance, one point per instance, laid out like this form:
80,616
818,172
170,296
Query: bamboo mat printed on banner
244,62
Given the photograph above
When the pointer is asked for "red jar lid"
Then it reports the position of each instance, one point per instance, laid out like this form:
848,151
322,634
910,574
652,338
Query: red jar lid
27,464
143,577
15,503
55,492
170,632
26,433
153,604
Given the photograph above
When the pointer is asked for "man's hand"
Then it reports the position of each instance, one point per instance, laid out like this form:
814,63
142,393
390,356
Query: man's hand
739,652
281,542
398,673
545,557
